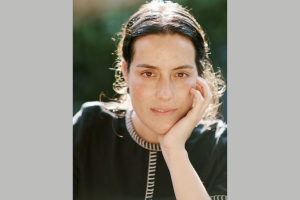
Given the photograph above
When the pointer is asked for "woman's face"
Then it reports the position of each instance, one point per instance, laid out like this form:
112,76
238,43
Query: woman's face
161,74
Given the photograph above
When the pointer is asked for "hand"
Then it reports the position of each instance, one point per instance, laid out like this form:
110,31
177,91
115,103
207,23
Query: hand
176,137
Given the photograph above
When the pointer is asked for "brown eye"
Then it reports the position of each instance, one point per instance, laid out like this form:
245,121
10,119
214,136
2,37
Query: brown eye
181,75
148,74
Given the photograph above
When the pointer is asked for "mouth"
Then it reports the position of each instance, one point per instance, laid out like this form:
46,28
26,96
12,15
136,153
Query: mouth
163,112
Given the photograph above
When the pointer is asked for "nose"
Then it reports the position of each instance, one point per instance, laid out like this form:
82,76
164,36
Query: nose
164,90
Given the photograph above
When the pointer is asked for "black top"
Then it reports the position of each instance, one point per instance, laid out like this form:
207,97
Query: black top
106,166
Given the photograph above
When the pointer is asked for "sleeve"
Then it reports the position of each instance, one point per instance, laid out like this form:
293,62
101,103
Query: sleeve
219,189
82,124
219,186
77,123
75,181
219,197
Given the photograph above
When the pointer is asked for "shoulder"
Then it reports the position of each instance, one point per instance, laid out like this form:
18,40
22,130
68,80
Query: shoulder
207,147
218,129
91,110
93,122
208,143
92,115
210,134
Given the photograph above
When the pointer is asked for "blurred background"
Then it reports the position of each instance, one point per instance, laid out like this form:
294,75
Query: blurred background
96,22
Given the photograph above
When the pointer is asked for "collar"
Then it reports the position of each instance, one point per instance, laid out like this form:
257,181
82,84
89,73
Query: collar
135,137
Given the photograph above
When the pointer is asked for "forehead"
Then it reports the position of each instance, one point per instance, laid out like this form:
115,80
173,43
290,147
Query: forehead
164,50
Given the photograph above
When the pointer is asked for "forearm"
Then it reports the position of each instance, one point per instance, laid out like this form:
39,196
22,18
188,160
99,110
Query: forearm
186,182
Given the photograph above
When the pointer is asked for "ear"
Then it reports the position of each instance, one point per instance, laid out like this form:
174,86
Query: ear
125,71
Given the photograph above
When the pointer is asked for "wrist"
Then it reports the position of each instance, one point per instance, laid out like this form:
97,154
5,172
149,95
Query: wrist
174,151
174,155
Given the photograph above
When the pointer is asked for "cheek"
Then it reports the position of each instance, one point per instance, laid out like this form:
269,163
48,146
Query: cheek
183,91
140,89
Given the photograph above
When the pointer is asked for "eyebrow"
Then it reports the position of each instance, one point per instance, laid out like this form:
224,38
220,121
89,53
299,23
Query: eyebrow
153,67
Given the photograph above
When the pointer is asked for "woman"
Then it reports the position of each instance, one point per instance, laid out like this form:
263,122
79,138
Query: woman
169,86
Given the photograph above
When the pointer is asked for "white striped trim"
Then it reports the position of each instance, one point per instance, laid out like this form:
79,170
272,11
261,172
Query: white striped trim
151,175
219,197
135,137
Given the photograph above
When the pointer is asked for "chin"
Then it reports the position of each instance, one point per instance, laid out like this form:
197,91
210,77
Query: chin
161,129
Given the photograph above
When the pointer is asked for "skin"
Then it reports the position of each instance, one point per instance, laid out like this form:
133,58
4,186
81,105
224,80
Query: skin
163,77
155,83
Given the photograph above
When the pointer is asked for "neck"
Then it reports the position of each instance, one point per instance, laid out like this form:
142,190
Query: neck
143,131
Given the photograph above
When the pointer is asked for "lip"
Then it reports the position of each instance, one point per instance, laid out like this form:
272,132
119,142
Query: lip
163,112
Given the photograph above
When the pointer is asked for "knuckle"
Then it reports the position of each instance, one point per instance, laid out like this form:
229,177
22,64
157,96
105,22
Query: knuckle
198,93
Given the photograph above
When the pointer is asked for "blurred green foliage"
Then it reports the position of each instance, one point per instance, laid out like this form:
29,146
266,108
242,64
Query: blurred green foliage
93,47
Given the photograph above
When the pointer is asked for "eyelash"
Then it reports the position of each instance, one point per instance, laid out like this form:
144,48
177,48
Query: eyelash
144,73
183,74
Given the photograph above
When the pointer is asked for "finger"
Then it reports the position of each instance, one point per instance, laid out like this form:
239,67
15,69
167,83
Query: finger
196,110
204,86
200,89
197,94
206,93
